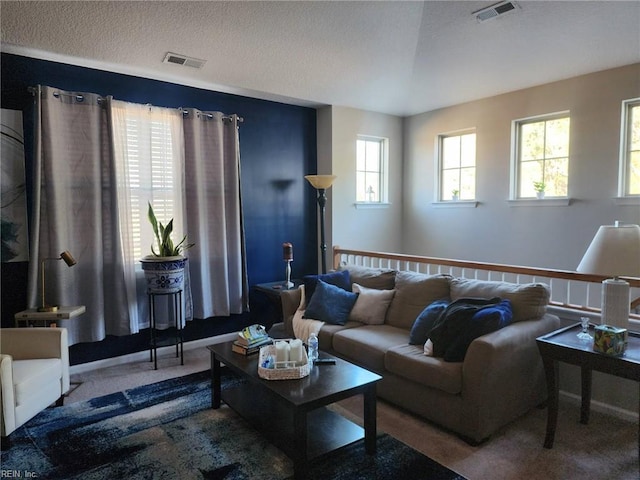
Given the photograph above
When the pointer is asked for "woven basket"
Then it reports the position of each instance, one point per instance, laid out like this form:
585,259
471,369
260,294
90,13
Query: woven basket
292,373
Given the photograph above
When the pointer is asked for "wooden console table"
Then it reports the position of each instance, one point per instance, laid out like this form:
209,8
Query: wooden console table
563,345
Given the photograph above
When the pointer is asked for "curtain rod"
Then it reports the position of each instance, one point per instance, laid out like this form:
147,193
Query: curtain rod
79,97
210,115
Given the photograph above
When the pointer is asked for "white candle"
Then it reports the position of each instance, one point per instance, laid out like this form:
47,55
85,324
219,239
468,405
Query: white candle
296,350
282,351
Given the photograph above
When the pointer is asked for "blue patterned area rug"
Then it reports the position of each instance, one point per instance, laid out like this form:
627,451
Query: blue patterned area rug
168,430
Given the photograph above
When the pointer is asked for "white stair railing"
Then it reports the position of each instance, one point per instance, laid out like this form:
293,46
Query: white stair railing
573,292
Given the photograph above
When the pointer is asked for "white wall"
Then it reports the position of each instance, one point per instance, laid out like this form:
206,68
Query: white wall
360,228
542,236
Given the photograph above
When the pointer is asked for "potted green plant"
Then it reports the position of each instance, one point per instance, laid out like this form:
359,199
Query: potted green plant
455,194
539,187
164,268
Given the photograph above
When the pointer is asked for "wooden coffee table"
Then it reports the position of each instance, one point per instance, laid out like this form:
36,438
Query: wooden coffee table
292,413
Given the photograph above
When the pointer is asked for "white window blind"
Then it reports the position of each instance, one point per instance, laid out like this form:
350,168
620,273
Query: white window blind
149,159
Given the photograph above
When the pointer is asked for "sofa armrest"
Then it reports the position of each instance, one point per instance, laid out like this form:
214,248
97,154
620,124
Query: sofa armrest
503,376
290,302
32,343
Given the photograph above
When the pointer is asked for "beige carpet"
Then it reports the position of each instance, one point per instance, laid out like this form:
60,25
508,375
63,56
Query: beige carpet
606,448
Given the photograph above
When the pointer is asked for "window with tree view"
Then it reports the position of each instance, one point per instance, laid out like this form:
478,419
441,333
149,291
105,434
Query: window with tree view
371,159
457,166
542,156
630,148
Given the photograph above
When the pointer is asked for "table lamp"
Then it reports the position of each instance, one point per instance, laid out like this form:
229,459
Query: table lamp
321,183
70,261
615,252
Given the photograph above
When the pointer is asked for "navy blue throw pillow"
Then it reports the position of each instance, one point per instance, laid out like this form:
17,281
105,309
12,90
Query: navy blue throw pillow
424,322
486,320
330,304
340,279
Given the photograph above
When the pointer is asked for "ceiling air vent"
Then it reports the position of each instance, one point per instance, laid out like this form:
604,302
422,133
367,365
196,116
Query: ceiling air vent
183,60
495,11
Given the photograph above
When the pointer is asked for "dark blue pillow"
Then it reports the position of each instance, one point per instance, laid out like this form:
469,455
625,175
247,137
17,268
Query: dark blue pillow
340,279
495,317
330,304
424,322
485,320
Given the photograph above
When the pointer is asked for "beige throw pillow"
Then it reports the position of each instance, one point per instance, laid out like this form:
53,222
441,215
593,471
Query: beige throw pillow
371,306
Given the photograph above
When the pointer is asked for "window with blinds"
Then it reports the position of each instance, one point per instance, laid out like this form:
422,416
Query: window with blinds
150,150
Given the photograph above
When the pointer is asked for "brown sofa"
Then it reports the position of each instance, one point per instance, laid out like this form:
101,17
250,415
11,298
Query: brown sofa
500,378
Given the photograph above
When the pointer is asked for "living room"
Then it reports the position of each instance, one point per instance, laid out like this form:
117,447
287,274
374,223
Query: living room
281,142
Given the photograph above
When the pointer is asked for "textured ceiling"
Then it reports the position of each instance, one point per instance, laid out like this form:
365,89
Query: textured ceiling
387,56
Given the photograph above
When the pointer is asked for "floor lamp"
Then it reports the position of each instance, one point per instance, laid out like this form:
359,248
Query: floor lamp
615,252
70,261
321,183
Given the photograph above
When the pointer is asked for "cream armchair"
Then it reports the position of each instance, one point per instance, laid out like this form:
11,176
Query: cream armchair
34,373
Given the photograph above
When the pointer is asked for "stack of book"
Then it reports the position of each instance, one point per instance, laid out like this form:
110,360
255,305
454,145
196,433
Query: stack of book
250,339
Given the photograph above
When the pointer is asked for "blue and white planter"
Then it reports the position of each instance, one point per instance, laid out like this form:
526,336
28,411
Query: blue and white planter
163,274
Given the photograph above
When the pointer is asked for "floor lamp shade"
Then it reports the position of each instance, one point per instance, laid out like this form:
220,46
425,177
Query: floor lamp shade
614,251
321,183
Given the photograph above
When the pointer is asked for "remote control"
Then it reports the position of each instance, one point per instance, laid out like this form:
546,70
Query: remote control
324,361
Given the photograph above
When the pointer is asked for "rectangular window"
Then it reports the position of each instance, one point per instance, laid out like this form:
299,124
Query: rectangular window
542,156
371,167
630,148
148,143
457,160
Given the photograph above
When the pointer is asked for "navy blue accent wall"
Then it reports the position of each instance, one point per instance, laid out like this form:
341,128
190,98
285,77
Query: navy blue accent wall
277,144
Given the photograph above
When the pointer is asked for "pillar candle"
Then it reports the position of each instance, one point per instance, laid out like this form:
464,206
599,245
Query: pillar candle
287,251
295,355
282,351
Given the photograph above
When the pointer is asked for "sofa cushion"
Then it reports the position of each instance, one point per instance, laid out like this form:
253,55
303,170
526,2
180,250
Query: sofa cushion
330,304
528,300
367,345
328,330
379,278
408,361
371,306
425,321
340,279
414,291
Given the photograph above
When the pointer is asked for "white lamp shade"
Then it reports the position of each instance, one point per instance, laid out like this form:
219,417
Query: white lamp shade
320,181
614,251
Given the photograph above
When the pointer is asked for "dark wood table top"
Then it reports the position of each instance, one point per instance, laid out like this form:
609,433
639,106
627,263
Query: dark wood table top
274,288
322,383
564,345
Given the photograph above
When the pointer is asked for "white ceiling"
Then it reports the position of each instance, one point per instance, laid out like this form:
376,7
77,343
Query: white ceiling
394,57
